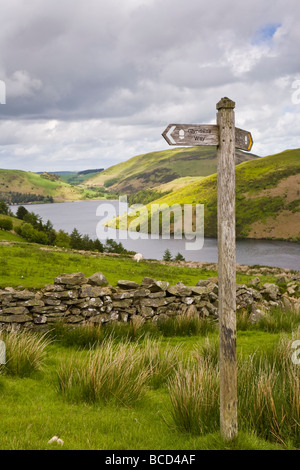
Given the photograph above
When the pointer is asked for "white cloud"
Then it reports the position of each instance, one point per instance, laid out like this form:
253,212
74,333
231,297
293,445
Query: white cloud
91,83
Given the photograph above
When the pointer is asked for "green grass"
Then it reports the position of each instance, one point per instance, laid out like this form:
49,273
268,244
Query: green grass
33,183
33,410
155,168
274,321
10,236
33,266
252,177
268,394
25,353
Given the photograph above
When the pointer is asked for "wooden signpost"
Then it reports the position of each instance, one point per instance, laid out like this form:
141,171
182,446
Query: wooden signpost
227,137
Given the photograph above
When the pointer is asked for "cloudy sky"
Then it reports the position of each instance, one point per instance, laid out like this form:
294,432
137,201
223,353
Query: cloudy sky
90,83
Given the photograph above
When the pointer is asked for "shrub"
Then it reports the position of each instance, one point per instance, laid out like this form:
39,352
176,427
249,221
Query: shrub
110,182
179,257
4,209
167,255
25,352
6,224
21,212
31,234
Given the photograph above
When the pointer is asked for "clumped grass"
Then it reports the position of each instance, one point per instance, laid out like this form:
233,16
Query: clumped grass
276,320
87,336
194,394
209,351
279,320
25,352
116,373
184,325
90,336
112,372
268,393
269,398
161,360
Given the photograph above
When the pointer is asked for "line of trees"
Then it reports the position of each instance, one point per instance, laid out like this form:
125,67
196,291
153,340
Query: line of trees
13,197
34,230
168,256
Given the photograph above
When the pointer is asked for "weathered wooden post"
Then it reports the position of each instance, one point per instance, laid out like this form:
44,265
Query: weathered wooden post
227,137
227,268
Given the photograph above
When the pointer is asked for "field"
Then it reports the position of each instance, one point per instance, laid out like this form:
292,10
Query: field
158,168
19,182
46,404
32,266
119,387
27,182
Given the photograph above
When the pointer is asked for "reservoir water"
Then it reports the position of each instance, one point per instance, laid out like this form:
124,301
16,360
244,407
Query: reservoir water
82,215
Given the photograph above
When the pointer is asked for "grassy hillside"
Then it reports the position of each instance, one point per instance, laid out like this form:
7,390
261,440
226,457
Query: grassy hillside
267,197
158,168
77,177
35,187
25,182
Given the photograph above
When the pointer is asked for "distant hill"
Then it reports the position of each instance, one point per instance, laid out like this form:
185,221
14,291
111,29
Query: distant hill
155,169
267,198
75,177
18,186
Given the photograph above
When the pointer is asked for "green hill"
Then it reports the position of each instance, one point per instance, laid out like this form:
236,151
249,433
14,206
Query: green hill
76,177
152,170
18,186
267,197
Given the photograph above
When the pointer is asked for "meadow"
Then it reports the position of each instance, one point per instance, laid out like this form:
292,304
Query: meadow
112,388
118,387
32,266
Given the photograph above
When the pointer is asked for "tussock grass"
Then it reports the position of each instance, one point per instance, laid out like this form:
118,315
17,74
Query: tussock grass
25,352
268,393
161,360
184,325
276,320
118,371
90,336
194,395
112,372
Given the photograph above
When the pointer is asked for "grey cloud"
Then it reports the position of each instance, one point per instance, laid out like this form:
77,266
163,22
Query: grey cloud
140,63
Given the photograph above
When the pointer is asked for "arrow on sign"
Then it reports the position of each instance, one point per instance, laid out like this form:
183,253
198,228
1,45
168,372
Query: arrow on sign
243,139
169,137
191,134
203,134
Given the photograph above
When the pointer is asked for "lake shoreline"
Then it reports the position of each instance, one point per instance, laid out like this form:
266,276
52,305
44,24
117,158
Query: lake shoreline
116,200
209,266
88,218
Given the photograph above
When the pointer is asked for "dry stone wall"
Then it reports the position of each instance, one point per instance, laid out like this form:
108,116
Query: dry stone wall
77,300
